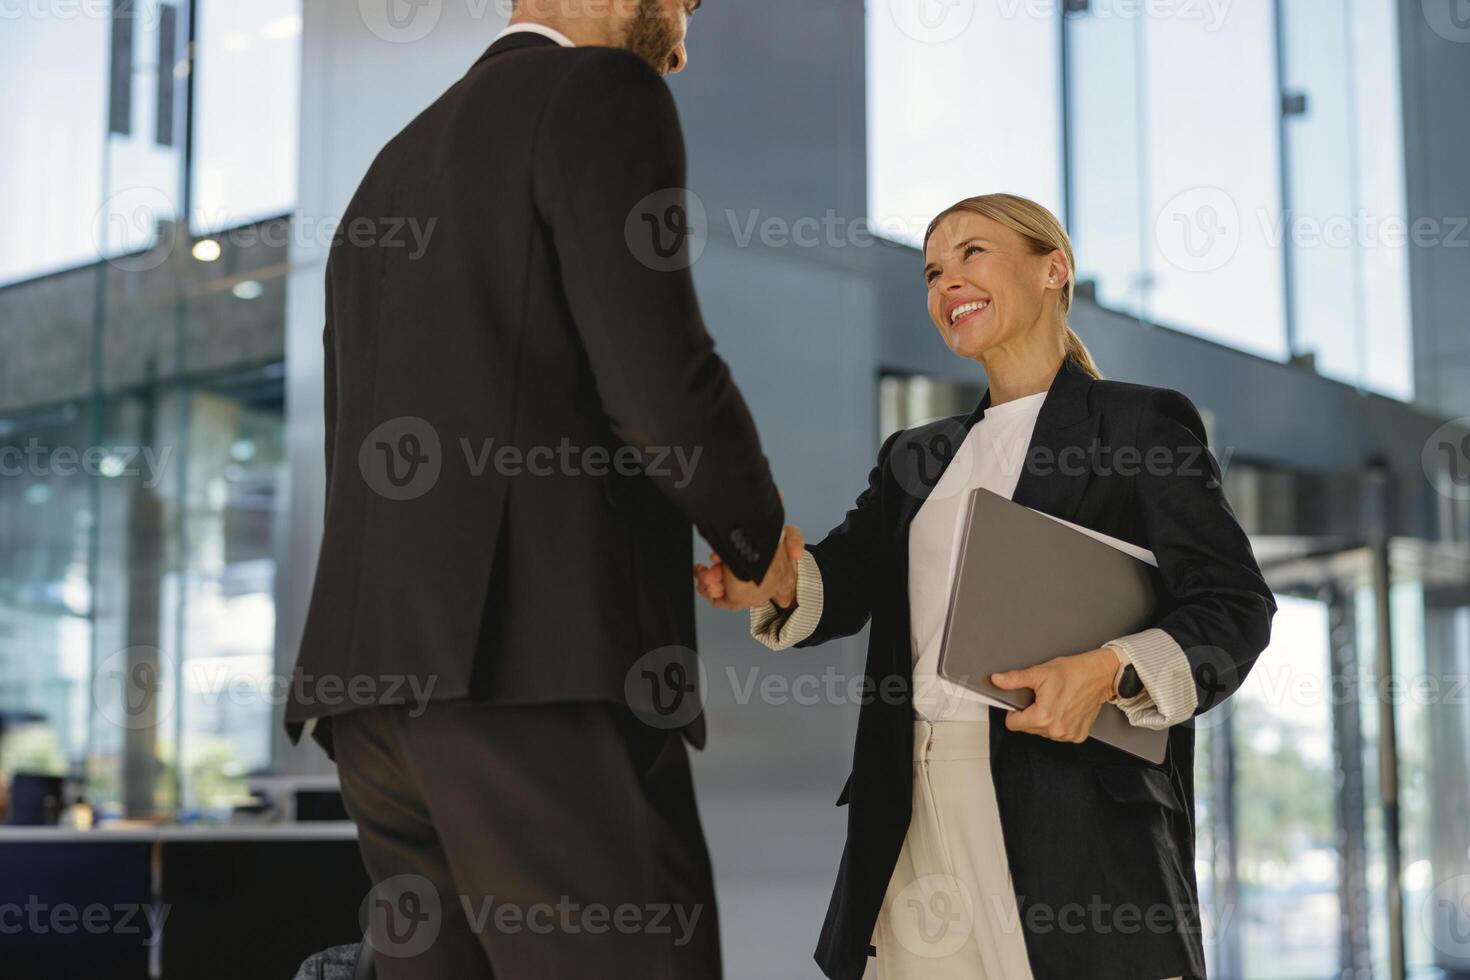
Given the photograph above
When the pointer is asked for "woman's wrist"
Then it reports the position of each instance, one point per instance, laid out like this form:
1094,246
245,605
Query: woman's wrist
1105,664
785,597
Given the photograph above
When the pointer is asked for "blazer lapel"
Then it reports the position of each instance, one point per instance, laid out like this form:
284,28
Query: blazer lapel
924,462
1059,464
1063,453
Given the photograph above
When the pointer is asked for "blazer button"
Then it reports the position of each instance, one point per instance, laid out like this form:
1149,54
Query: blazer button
742,545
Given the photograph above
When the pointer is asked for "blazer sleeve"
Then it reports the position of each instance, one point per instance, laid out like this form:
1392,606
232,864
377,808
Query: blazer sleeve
1219,608
610,138
850,559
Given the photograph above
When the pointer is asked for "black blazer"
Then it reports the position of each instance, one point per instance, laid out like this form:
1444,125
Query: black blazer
530,321
1100,844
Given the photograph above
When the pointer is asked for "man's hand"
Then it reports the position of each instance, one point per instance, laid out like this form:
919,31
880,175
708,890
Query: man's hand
724,591
1070,691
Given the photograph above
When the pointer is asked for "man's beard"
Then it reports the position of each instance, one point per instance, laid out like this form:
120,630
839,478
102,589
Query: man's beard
651,36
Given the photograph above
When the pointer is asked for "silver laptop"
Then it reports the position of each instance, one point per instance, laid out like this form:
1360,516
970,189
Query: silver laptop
1028,588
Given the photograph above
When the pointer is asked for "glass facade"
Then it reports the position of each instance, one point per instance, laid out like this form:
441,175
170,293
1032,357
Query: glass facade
51,145
245,136
141,394
1287,860
937,132
1176,178
1347,233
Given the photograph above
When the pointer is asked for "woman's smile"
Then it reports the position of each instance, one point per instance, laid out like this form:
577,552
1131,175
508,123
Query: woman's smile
962,311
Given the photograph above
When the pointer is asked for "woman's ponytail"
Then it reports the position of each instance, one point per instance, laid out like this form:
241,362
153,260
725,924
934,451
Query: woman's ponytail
1078,351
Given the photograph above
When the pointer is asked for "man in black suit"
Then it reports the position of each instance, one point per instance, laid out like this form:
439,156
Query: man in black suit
523,419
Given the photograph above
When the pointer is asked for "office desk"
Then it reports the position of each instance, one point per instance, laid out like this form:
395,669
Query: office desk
176,903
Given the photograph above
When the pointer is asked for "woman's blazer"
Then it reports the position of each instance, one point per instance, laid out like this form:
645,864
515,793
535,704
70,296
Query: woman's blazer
1100,843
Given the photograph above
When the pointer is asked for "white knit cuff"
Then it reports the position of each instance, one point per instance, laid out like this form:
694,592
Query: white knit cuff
780,629
1169,695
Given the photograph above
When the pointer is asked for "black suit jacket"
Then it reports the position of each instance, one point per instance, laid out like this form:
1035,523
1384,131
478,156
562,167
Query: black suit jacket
1100,844
486,531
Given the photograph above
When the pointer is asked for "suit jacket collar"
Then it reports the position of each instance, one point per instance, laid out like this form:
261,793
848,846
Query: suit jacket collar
514,42
1062,457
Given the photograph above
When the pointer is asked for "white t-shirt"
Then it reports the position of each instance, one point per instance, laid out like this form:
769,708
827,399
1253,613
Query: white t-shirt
991,457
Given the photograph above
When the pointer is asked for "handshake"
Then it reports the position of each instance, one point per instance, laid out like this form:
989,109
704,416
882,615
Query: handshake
719,585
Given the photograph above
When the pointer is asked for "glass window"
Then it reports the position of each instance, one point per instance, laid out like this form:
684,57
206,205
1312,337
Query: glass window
1431,627
1179,212
185,578
142,453
1346,169
1109,233
1176,176
144,166
91,160
1285,782
963,99
236,470
51,143
46,521
247,87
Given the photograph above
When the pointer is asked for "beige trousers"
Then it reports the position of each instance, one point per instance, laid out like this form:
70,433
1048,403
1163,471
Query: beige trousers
950,911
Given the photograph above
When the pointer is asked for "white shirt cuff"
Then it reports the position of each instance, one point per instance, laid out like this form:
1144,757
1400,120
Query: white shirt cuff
1168,695
780,629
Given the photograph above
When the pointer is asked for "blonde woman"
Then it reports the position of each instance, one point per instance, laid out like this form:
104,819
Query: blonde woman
1005,845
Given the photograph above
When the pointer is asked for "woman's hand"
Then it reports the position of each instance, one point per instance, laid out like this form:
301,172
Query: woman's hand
724,591
1070,691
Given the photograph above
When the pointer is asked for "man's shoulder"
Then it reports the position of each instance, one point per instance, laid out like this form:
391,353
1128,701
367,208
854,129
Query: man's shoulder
605,64
550,82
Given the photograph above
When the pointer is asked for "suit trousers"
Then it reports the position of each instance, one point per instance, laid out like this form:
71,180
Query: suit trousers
528,842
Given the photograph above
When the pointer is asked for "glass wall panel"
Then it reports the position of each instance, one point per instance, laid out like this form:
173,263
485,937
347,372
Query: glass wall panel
51,142
141,398
1179,208
1285,782
246,102
143,168
1214,174
1432,650
1348,230
47,515
227,586
963,99
1176,177
1109,229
